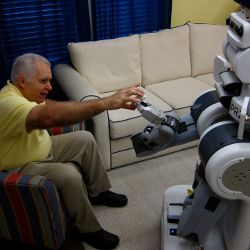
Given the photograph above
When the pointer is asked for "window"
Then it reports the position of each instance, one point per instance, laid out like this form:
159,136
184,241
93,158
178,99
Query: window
116,18
39,26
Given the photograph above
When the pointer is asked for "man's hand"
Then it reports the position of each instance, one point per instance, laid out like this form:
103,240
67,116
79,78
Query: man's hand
125,98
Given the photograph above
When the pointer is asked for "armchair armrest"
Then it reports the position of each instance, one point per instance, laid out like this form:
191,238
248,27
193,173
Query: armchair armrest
31,210
66,129
77,88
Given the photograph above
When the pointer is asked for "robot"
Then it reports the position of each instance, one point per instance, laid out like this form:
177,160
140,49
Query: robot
213,212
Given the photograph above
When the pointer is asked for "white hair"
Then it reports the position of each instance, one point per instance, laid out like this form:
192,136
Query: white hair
25,64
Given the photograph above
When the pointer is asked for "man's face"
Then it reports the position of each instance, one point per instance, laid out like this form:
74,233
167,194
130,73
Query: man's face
38,86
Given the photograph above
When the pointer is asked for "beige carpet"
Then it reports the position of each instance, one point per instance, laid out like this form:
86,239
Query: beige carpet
138,224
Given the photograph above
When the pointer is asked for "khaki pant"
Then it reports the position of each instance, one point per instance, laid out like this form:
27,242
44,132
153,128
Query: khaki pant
76,168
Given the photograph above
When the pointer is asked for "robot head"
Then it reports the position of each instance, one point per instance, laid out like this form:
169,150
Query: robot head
236,47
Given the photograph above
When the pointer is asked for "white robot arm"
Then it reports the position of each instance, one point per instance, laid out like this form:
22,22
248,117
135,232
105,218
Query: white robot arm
166,129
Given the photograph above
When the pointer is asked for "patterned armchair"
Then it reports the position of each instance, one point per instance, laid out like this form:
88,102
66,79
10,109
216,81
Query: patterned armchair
31,210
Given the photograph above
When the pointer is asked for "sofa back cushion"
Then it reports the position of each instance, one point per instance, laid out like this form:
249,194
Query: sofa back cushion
109,64
165,55
206,41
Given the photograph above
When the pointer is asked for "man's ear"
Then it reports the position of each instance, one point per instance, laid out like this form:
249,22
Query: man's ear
21,81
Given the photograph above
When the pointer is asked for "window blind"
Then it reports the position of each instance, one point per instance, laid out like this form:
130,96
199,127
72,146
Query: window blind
116,18
39,26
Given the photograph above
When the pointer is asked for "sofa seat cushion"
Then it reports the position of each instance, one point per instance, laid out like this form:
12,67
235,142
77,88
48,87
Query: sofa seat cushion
128,156
123,122
165,55
179,93
121,144
207,78
108,65
206,42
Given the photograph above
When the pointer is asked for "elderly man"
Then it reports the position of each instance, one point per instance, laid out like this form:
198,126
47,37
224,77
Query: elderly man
71,160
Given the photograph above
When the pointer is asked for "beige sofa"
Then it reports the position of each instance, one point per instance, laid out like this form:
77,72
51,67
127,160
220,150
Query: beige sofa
173,66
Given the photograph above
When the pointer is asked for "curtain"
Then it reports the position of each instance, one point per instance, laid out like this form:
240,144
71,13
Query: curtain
116,18
47,26
38,26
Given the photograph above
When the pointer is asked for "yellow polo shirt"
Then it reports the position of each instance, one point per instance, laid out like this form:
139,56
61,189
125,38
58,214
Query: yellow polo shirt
17,147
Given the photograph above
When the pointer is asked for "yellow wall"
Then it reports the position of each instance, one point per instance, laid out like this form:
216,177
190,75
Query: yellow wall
201,11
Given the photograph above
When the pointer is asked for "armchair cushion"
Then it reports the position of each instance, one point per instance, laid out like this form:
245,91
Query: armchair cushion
68,129
31,211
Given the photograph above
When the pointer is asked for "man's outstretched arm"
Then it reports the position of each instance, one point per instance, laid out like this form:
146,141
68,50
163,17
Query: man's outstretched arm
55,113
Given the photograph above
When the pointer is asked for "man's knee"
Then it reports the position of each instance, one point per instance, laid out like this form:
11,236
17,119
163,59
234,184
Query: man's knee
66,175
85,137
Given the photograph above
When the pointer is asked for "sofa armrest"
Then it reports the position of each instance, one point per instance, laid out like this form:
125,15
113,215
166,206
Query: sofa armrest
102,137
31,210
77,88
73,84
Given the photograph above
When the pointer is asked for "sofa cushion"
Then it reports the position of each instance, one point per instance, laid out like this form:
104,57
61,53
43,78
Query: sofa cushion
165,55
109,64
121,144
207,78
179,93
125,122
206,41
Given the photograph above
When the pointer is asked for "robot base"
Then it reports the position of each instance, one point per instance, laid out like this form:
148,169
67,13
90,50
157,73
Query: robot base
170,241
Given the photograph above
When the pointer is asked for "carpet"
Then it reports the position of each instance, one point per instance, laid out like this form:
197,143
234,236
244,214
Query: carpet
139,223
